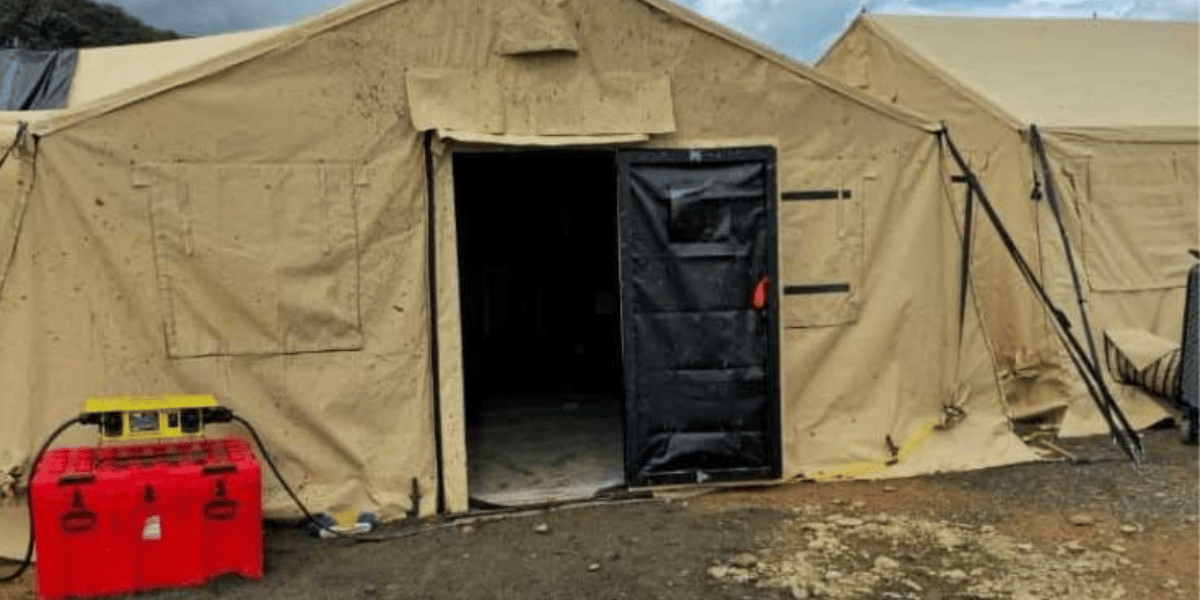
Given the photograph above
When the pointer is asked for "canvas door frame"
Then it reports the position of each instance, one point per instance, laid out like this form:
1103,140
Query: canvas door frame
451,395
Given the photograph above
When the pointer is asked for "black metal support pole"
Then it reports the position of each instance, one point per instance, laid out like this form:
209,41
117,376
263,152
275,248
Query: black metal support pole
434,362
1122,432
1039,149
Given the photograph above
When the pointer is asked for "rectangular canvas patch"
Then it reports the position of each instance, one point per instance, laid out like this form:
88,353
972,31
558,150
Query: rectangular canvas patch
255,259
1140,219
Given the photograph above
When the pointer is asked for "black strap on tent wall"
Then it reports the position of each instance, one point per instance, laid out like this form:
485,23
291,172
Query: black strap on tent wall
1118,425
964,271
1039,151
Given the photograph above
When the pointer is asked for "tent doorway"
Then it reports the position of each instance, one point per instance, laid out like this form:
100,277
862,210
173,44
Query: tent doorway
537,247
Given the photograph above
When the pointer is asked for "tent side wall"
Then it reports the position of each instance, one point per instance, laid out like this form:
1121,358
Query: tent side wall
1030,359
898,371
260,233
1131,205
1129,241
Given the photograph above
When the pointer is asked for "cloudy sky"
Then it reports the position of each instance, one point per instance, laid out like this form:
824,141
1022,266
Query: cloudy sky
802,28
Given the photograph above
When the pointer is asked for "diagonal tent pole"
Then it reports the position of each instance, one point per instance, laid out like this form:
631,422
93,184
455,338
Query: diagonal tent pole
1114,417
1039,150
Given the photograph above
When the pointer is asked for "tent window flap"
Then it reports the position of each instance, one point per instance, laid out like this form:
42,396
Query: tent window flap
1139,220
822,233
255,259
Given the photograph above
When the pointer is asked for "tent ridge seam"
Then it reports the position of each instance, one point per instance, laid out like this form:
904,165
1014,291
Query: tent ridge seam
940,73
792,65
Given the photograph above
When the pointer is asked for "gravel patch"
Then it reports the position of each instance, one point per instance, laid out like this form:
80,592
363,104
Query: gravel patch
834,556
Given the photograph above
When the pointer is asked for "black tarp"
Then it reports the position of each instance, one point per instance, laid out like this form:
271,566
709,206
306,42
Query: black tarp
701,368
36,79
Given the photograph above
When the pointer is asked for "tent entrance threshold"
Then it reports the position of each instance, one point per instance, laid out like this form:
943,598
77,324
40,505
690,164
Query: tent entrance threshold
540,449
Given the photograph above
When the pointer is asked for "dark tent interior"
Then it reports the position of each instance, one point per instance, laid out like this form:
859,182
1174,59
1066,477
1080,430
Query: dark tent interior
537,246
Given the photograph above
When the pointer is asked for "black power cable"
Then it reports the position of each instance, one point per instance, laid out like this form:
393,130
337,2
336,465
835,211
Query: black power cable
262,449
224,415
210,415
37,458
308,516
218,415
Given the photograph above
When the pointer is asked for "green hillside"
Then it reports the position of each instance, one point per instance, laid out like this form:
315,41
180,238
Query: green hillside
48,24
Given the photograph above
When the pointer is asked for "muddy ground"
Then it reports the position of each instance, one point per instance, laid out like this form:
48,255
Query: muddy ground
1096,529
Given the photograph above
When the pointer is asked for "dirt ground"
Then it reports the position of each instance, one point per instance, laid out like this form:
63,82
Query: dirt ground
1096,529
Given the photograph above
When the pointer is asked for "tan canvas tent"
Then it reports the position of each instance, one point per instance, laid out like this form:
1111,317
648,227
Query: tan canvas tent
1116,106
55,79
366,231
107,70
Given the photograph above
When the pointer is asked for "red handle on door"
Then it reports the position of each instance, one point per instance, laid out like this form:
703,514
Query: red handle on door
758,300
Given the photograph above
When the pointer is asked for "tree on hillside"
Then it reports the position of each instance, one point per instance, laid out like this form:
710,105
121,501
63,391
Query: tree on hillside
48,24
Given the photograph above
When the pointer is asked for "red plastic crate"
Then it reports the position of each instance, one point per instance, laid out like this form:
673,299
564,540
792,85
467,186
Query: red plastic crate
120,519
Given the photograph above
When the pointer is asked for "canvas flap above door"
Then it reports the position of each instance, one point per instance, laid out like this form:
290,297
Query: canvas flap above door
699,321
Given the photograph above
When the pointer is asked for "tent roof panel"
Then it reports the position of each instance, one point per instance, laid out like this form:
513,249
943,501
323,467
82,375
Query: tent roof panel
110,69
1064,72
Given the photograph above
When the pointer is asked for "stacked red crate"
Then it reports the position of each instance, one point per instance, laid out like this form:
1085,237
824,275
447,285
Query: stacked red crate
120,519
